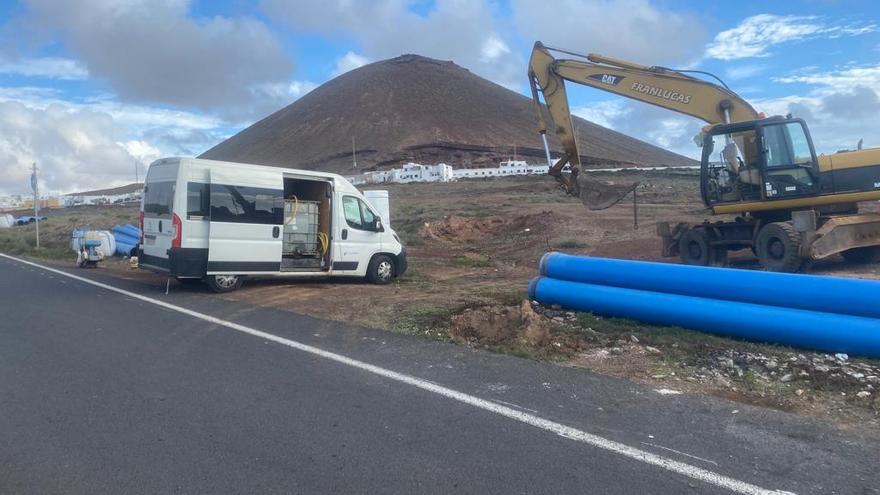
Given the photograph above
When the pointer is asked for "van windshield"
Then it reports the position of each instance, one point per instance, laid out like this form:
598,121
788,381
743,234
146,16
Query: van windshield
159,198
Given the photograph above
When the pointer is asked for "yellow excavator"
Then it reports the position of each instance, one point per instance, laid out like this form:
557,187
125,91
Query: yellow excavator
790,205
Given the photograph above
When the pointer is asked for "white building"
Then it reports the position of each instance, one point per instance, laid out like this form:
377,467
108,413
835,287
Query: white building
13,202
504,169
415,172
411,172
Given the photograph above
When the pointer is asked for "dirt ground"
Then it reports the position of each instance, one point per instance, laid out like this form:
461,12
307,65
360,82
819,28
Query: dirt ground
474,245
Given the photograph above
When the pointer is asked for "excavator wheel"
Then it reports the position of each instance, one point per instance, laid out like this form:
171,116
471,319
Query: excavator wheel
778,247
695,248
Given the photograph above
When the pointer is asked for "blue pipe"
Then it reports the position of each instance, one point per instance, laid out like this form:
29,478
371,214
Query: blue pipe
128,229
123,249
814,293
828,332
127,239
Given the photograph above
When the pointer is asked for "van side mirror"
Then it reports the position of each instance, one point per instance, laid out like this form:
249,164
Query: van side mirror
377,225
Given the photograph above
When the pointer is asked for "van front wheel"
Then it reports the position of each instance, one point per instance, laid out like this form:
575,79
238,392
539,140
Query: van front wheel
381,270
224,283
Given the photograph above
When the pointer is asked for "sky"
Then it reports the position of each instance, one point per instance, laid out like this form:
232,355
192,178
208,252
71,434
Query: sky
95,90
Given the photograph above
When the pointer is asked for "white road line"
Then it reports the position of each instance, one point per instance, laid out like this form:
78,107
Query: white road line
680,452
674,466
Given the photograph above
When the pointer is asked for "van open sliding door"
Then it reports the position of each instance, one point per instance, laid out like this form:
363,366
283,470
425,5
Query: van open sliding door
247,214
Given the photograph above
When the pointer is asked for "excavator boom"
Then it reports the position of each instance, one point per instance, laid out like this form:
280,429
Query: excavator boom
658,86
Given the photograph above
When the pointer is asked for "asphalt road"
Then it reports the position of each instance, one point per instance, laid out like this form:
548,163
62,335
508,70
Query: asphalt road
101,392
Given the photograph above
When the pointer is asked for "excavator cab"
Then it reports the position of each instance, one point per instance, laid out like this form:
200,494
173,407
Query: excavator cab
766,159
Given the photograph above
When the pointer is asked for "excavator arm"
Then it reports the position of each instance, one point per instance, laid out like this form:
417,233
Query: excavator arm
658,86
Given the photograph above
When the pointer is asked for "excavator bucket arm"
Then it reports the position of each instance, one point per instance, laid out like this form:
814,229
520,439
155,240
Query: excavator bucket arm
655,85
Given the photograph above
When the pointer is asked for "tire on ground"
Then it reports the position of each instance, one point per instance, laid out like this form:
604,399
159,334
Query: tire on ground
224,283
862,255
778,247
695,248
381,269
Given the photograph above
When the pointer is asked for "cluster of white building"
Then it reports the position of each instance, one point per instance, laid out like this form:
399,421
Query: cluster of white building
13,202
101,199
415,172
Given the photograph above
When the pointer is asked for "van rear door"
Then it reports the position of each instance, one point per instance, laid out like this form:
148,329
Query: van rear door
158,207
247,214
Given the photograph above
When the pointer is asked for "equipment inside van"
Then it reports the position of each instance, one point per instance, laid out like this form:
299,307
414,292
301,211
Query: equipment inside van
220,221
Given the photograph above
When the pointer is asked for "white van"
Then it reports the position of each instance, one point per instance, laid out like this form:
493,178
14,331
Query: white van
221,221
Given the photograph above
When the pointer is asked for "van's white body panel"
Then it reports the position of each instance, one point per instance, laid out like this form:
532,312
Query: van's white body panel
248,248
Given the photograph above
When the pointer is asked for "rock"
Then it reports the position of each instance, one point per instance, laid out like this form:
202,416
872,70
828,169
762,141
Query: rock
841,356
799,392
863,394
652,350
596,354
558,319
786,378
726,362
771,365
537,329
634,339
489,325
555,307
616,350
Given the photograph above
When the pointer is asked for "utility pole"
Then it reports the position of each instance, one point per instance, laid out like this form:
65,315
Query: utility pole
136,179
36,188
353,153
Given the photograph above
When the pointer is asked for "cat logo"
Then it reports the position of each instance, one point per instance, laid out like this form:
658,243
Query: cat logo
609,79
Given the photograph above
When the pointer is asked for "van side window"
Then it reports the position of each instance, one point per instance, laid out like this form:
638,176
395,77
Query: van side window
198,200
158,198
241,204
357,213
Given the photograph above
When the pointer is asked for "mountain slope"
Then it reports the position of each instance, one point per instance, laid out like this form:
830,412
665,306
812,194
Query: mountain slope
413,108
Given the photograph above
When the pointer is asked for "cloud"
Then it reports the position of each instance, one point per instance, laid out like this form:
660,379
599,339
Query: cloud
840,107
658,126
127,115
73,150
298,89
460,30
93,143
46,67
756,34
848,77
627,29
349,61
151,51
741,72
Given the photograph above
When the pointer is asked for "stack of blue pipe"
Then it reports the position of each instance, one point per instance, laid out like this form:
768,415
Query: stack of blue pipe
830,314
127,239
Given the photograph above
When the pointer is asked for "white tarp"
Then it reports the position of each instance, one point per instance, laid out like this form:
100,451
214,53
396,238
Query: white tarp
6,221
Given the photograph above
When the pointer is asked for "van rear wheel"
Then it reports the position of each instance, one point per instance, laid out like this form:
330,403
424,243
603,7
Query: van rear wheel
224,283
381,270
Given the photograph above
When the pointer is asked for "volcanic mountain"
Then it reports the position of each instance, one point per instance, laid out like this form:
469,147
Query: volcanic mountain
413,108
